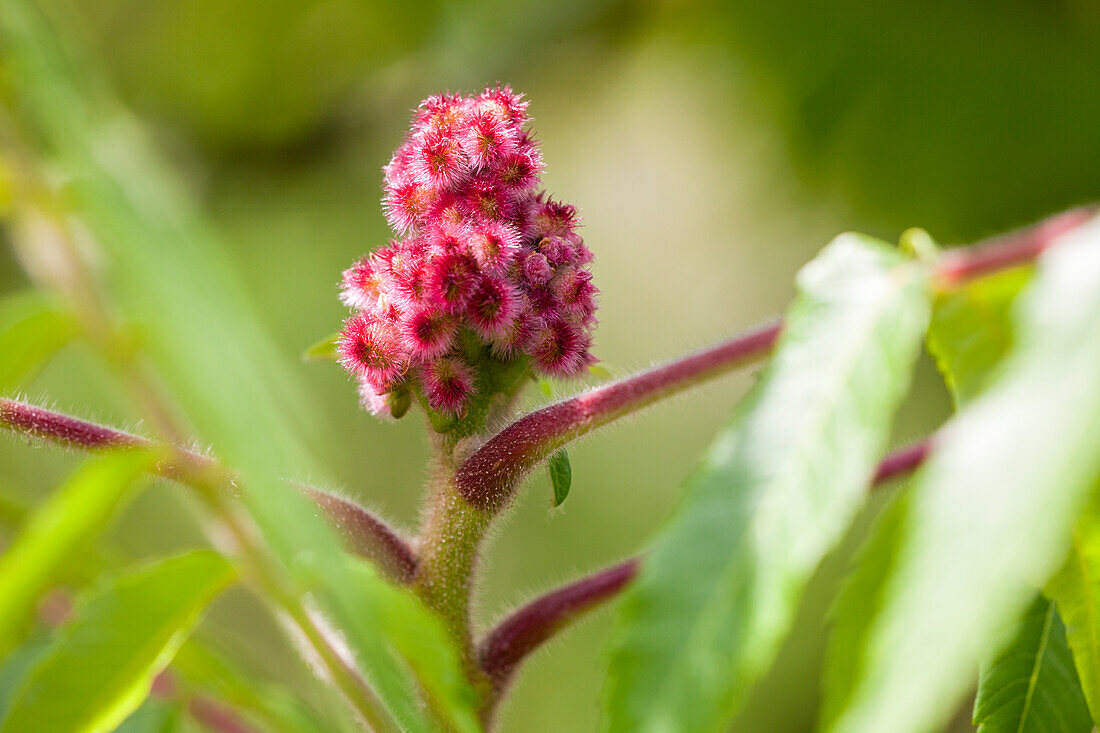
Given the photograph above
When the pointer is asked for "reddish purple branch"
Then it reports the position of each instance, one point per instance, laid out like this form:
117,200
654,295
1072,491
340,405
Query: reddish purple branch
365,533
1008,250
901,462
487,479
528,627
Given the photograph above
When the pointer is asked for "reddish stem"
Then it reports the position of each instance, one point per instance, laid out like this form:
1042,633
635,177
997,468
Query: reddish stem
217,717
365,533
1007,250
528,627
488,478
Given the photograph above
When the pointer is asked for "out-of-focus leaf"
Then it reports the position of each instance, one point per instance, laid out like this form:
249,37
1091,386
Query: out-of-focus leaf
16,664
173,280
32,329
56,532
991,512
1076,591
778,489
391,631
1031,686
12,512
323,350
270,705
856,605
561,476
154,716
970,330
101,665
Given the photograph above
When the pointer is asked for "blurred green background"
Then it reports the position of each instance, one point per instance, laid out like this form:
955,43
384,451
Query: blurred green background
711,148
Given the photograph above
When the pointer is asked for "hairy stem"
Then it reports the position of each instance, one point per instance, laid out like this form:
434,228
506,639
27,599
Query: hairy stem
364,533
488,479
525,629
529,626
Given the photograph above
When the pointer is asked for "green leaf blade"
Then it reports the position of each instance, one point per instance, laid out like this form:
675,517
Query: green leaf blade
1076,591
101,666
561,476
1032,686
970,331
74,514
991,511
777,491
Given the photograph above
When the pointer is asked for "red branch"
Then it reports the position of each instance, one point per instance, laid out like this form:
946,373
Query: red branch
365,533
528,627
489,477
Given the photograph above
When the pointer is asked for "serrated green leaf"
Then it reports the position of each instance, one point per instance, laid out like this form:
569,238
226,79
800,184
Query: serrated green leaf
561,476
32,329
1031,686
323,350
991,511
718,591
1076,591
101,665
78,511
970,331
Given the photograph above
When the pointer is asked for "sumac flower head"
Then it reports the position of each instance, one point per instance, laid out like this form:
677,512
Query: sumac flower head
489,269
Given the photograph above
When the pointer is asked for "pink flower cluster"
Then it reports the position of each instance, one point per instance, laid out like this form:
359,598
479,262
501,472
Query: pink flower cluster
484,255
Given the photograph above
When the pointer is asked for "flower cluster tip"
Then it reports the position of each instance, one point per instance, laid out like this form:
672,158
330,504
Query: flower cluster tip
483,257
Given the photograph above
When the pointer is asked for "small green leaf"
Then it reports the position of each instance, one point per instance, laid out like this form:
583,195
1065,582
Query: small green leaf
1076,591
32,329
970,331
323,350
55,533
991,513
561,476
1031,686
718,592
101,665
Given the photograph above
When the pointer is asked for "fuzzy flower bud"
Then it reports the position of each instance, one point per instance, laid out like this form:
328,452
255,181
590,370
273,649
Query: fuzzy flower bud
489,271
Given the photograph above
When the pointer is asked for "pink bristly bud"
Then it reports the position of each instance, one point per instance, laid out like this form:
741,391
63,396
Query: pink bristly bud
427,332
494,246
562,350
361,285
438,162
448,383
536,269
487,138
451,280
492,308
369,349
485,258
